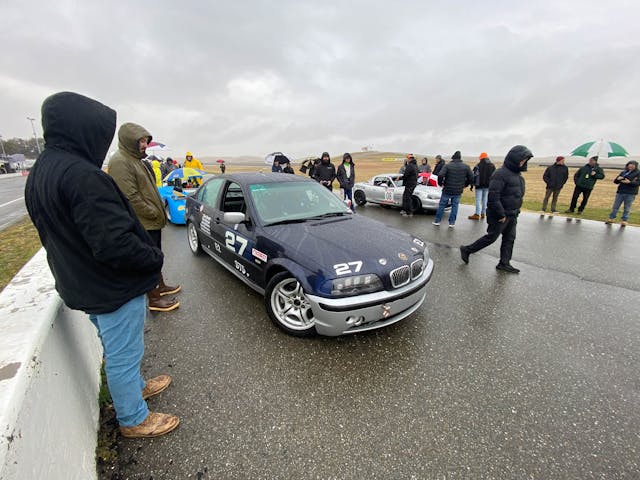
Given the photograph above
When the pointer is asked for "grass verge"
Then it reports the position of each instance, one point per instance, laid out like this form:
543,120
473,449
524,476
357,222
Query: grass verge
18,243
107,446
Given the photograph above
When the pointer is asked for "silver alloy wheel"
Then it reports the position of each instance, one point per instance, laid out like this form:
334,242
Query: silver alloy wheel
291,306
192,236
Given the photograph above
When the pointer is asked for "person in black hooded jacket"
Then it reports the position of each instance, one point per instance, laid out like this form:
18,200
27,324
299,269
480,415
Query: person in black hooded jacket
325,171
628,182
347,178
101,257
506,191
409,182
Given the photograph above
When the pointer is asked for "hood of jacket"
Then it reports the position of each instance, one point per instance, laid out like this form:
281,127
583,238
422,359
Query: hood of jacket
79,125
515,156
128,136
631,162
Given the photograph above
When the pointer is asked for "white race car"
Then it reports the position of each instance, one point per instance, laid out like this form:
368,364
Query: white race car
387,189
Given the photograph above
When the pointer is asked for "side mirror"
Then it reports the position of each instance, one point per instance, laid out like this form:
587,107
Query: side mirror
233,218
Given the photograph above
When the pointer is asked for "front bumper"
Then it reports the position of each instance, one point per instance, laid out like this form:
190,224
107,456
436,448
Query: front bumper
378,309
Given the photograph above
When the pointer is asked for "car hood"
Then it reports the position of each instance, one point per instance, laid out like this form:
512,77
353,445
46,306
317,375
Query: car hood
322,244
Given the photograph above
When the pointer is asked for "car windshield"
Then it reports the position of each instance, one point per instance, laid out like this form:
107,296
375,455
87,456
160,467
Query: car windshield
294,201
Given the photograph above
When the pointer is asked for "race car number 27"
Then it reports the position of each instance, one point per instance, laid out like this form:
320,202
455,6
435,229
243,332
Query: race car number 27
347,268
235,242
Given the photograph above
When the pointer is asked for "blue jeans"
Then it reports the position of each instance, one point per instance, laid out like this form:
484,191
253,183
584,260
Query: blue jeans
348,194
482,196
122,335
621,198
444,201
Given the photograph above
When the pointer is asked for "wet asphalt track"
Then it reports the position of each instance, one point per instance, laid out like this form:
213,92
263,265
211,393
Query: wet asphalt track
532,376
12,206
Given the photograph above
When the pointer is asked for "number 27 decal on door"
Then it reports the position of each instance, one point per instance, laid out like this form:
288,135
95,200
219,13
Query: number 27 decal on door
235,242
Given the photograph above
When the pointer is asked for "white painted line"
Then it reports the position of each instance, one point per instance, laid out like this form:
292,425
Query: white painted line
12,201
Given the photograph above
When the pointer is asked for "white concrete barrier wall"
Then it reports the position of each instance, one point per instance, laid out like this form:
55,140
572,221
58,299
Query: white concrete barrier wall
49,380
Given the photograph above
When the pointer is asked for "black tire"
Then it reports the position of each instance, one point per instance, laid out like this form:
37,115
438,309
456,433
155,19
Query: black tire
359,197
192,239
283,290
416,204
167,211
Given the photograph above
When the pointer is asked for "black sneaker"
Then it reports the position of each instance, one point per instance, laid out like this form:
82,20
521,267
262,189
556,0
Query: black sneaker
464,254
568,211
579,212
505,267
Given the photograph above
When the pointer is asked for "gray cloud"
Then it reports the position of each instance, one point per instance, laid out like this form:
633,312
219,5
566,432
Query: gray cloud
302,77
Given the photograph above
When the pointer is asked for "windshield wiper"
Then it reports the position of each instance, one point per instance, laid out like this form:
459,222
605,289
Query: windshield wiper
327,215
284,222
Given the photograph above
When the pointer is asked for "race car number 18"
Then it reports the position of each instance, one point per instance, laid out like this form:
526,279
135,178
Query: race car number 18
231,239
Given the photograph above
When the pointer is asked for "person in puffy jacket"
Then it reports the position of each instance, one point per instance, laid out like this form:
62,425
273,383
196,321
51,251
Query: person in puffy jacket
585,179
325,171
481,175
101,257
628,182
454,177
506,191
555,176
409,182
347,178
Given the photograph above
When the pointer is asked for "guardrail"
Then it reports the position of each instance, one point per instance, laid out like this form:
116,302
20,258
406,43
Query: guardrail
50,360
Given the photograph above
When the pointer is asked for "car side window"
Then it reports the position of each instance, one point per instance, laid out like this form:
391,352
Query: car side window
208,194
381,181
397,182
233,200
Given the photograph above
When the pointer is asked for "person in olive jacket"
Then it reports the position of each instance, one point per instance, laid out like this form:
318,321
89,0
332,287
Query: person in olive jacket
555,176
585,179
101,257
126,167
628,181
506,191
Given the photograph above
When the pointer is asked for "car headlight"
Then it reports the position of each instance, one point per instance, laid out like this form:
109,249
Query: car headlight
355,285
432,196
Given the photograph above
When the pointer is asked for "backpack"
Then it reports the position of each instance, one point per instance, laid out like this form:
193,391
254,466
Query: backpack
476,176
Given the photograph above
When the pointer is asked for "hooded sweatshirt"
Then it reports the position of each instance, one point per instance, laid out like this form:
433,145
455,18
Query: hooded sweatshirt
134,178
506,187
99,254
633,176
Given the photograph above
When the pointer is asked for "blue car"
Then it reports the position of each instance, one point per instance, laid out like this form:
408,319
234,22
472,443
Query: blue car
175,203
320,268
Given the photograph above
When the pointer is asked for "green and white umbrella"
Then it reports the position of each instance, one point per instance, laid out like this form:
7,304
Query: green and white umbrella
599,148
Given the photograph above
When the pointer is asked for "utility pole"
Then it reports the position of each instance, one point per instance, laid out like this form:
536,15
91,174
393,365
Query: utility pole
35,137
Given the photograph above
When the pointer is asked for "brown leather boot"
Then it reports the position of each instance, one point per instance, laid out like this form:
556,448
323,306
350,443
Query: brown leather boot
159,304
167,289
154,425
475,216
155,385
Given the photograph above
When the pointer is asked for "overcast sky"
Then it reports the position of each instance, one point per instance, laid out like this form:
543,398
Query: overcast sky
248,78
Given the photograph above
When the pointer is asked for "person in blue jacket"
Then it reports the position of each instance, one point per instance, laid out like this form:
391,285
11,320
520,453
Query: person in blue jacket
628,181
